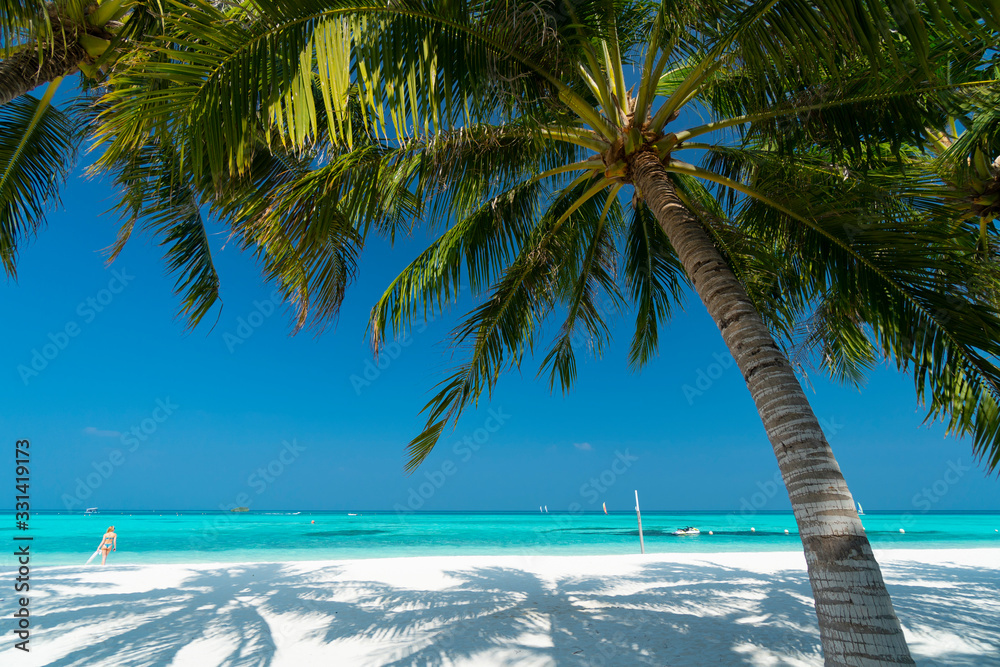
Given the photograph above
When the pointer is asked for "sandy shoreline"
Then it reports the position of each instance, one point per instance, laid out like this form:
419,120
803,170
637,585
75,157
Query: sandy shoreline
663,609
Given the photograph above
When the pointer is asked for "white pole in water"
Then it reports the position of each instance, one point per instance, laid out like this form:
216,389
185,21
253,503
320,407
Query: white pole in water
638,514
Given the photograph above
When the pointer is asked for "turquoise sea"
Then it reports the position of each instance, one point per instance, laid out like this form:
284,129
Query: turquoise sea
170,536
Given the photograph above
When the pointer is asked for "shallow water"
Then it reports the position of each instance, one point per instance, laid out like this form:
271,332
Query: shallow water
191,536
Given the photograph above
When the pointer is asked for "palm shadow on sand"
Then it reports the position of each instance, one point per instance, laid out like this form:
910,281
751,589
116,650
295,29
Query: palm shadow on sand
661,614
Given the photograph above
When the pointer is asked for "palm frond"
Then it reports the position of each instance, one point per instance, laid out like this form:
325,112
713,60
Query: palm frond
835,334
38,145
212,61
977,146
852,109
307,237
486,241
587,286
159,197
655,281
21,22
502,329
894,258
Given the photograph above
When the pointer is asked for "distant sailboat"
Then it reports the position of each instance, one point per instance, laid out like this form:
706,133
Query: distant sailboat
546,509
539,508
605,506
860,509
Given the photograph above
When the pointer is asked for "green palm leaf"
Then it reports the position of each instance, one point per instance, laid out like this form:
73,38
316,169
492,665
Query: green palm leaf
502,329
20,22
588,285
655,280
486,240
160,197
37,150
891,264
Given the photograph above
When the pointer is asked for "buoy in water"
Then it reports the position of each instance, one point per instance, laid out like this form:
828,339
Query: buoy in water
753,530
709,532
313,521
901,530
786,531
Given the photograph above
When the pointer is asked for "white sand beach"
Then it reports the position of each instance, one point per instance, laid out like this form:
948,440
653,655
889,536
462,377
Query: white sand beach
667,609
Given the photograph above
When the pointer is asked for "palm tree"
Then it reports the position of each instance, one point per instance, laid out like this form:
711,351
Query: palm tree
512,124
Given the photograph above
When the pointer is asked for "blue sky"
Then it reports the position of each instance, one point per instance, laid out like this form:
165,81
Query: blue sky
136,412
125,408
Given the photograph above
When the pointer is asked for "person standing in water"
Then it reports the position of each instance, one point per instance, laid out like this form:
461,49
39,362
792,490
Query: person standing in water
109,544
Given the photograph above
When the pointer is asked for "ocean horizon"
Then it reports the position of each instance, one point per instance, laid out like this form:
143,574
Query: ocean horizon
61,537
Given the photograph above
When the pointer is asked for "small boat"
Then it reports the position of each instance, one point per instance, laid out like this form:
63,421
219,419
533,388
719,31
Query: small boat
89,511
860,509
687,530
349,514
605,506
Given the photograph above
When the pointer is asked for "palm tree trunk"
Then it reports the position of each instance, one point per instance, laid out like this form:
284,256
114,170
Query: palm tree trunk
24,70
858,625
